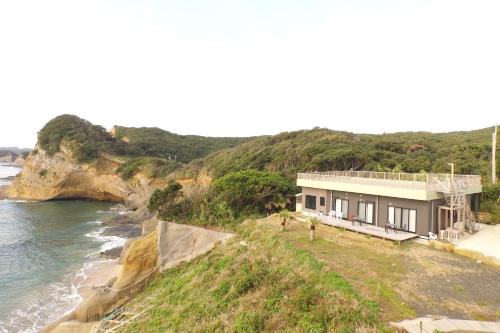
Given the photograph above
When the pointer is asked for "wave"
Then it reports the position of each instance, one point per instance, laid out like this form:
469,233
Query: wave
95,222
109,242
49,304
14,200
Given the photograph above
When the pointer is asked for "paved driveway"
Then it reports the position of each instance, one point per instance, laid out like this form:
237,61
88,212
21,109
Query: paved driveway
486,241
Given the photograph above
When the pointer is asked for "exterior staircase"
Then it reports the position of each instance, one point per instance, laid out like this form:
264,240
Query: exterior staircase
454,192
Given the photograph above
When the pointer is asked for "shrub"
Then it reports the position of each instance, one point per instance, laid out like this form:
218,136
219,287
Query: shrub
253,190
164,201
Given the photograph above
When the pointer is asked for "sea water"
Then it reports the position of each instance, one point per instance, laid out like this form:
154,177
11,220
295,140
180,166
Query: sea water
45,250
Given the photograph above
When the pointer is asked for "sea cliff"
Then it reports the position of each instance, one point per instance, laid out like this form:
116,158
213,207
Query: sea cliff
61,176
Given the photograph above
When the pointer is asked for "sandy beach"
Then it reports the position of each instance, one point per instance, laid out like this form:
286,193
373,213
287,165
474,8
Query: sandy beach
97,275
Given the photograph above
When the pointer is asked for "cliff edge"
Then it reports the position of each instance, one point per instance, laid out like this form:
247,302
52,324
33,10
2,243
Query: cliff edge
61,176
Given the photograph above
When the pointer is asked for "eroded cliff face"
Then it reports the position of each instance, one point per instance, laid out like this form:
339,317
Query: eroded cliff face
62,177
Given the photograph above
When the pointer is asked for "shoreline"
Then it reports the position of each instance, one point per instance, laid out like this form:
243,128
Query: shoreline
99,274
104,272
102,268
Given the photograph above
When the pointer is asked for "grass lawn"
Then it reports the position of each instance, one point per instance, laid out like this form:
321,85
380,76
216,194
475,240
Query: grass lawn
407,280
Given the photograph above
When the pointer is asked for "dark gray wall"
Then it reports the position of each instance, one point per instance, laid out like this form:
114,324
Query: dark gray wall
426,220
423,209
354,198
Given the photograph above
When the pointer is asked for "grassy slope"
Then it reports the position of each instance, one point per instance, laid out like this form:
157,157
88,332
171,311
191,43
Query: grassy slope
263,284
280,281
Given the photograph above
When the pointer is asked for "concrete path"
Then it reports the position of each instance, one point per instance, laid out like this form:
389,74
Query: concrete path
430,325
486,241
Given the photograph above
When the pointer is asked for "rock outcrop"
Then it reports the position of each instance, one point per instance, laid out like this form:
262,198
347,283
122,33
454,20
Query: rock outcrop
180,242
60,176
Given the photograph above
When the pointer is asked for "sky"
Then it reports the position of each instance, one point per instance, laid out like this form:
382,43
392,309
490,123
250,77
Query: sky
239,68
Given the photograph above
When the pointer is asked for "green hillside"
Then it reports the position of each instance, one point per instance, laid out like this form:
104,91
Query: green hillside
323,149
152,149
145,141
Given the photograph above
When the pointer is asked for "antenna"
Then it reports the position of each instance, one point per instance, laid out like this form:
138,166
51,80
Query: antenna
493,156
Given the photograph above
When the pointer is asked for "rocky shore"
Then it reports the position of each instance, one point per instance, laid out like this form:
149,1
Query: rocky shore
151,247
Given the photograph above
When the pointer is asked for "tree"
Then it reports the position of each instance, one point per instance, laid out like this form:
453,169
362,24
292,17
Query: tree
166,201
284,215
254,191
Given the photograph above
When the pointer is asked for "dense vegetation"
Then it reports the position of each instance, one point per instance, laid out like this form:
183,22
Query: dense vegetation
490,203
150,150
256,282
253,190
152,167
156,142
85,140
323,149
230,199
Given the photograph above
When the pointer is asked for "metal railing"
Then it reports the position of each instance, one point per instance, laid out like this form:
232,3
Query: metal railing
424,181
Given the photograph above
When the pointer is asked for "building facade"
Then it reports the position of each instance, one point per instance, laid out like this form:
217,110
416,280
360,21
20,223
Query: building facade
411,202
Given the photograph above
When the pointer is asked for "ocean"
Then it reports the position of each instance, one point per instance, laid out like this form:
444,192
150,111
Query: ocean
45,250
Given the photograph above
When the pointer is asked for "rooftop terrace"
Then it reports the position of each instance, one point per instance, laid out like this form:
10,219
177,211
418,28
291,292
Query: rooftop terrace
422,186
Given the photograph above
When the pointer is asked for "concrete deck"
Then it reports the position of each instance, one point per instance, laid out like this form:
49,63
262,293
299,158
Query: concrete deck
430,325
368,229
486,241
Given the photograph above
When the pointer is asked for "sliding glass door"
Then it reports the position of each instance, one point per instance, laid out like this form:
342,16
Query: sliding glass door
366,211
402,218
342,205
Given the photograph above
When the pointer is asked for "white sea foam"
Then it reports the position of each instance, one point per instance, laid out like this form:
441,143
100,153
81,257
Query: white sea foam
108,242
12,200
95,222
56,300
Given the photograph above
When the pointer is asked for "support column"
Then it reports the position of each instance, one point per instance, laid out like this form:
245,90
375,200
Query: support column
447,214
476,206
439,220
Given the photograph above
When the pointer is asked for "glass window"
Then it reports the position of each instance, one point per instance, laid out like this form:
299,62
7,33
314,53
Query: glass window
322,201
345,208
365,211
397,217
342,206
390,218
369,212
413,220
362,210
403,218
310,202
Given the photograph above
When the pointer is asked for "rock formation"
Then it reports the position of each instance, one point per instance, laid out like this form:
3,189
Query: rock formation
60,176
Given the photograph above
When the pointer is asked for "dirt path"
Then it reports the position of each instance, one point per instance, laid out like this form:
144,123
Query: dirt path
408,280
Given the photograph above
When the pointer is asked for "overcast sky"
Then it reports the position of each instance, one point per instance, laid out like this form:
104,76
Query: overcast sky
237,68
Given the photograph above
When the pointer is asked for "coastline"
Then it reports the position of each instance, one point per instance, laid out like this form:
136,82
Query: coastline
102,273
116,230
102,266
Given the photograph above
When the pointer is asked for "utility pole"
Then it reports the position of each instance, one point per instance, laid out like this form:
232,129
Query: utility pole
493,156
452,184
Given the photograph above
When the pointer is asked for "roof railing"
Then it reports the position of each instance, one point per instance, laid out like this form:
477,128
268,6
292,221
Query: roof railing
415,180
